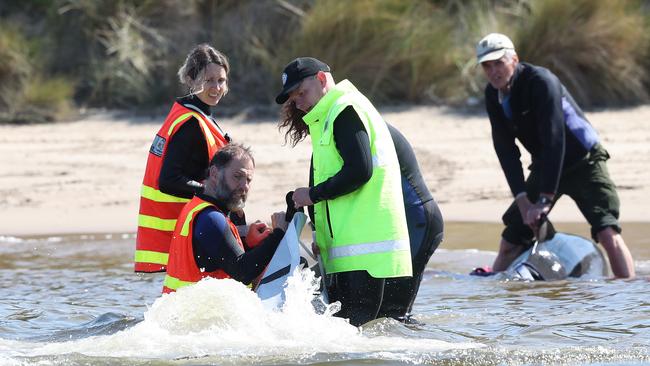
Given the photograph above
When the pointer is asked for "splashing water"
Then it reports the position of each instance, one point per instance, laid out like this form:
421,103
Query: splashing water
224,318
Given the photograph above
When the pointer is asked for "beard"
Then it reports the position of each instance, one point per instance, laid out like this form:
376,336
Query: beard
233,199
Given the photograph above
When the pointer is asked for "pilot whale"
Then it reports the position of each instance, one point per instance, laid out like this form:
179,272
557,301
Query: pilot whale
557,256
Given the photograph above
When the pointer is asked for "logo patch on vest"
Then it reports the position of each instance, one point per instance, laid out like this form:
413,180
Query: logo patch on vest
158,145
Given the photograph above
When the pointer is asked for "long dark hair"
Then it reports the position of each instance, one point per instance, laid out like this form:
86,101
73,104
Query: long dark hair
291,120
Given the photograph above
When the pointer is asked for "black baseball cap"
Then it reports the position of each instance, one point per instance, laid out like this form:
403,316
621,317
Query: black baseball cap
295,72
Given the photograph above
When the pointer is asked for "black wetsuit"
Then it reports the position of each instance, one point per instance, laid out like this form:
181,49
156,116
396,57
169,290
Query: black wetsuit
361,294
425,227
215,246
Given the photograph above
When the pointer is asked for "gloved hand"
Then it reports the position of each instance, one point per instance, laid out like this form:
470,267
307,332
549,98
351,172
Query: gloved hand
257,232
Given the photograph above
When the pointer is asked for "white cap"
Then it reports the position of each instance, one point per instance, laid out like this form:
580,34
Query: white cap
493,47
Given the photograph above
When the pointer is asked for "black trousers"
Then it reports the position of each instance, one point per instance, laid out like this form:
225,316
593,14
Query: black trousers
425,234
364,298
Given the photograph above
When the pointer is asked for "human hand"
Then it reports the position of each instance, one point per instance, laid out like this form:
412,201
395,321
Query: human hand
278,221
315,249
257,232
524,205
535,214
537,211
301,197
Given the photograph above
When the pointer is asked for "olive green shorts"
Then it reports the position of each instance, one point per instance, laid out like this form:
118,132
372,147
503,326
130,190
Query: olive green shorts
588,183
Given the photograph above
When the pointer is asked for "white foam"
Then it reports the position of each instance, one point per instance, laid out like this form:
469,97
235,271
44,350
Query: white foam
225,318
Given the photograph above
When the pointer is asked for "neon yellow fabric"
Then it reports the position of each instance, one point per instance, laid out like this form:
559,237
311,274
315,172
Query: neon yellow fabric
206,129
147,256
174,283
185,230
156,195
156,223
180,119
365,229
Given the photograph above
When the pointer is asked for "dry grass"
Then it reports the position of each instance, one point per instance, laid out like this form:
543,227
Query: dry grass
393,50
125,53
596,48
14,69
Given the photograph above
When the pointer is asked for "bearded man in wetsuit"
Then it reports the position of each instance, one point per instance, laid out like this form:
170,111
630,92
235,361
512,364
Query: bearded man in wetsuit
206,243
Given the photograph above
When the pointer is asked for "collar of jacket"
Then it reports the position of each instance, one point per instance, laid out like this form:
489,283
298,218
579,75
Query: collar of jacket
513,79
325,103
220,205
197,102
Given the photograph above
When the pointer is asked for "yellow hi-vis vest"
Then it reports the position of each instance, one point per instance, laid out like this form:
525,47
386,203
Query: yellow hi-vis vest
365,229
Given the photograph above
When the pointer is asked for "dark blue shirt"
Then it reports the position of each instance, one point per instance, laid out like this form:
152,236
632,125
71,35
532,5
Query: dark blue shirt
216,247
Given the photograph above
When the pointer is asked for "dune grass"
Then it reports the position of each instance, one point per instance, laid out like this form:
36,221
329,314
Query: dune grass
15,69
597,52
393,50
125,53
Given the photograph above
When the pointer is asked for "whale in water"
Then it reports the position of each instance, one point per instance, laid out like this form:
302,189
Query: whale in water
557,256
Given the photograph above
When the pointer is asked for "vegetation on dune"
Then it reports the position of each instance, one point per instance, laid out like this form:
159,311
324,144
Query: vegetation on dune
598,53
14,70
60,54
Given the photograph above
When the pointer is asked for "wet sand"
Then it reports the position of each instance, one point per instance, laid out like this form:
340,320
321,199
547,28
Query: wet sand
84,176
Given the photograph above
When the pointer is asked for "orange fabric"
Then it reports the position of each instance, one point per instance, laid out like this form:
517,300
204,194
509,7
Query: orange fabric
155,240
182,265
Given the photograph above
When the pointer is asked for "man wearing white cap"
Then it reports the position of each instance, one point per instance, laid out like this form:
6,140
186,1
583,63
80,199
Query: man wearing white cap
530,104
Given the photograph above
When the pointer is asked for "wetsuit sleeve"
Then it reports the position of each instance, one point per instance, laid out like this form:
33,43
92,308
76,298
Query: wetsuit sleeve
353,144
547,107
186,144
216,247
507,151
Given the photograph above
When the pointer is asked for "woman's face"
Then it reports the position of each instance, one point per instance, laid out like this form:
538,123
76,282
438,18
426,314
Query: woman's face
215,84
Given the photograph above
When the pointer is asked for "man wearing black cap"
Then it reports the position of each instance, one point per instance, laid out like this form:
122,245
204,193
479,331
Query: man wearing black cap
355,192
358,210
530,104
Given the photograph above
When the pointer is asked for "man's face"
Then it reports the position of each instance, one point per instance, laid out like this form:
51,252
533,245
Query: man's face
233,182
499,72
310,91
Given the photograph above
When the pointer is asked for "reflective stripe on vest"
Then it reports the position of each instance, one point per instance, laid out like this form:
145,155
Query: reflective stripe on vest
368,248
174,283
147,256
185,230
153,222
156,195
180,119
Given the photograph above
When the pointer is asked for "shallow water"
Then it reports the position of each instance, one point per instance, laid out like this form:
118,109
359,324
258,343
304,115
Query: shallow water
73,300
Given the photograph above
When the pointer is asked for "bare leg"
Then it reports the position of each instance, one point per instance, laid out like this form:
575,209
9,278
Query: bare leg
508,252
619,255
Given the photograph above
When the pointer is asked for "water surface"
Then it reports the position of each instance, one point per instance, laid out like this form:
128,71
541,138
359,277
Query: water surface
73,300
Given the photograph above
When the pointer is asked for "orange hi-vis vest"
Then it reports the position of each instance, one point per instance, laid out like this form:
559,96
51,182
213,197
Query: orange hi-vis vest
158,210
182,269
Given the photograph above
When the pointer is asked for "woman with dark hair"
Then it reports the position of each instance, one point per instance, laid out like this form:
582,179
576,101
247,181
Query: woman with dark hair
180,154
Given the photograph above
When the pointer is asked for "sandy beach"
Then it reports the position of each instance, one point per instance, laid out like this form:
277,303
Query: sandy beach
84,176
